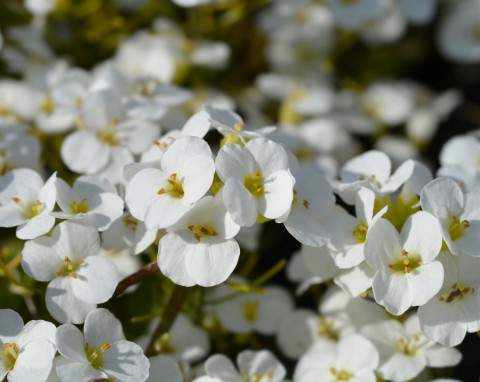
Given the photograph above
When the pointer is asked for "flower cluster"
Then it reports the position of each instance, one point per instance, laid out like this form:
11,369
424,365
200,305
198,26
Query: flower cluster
138,195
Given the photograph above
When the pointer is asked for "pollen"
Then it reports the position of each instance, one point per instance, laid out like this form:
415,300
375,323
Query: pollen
202,230
254,184
457,227
174,187
79,207
95,356
360,232
10,354
69,268
457,292
341,375
406,262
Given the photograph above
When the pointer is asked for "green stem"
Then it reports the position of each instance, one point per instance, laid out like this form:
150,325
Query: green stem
170,313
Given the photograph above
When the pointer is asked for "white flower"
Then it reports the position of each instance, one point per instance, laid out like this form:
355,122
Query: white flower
259,366
231,125
459,34
356,14
20,151
152,99
348,233
79,278
257,180
164,369
102,354
160,197
455,310
27,351
199,248
108,141
26,202
372,170
185,342
252,311
313,199
457,213
302,329
91,201
128,233
405,351
407,274
354,359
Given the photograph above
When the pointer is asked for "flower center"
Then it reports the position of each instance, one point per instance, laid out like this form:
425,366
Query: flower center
326,328
257,377
94,355
69,268
174,187
10,355
456,293
476,33
109,135
130,222
406,263
408,347
30,210
457,227
305,202
360,232
80,207
254,184
202,230
250,310
341,375
48,105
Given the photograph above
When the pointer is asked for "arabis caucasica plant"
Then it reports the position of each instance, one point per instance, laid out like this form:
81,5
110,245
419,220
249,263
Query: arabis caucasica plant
239,191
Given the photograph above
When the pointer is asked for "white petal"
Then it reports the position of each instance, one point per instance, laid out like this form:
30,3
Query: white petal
164,369
212,263
172,257
35,227
278,195
96,280
442,197
82,372
75,241
393,290
402,367
382,246
126,362
142,191
235,161
62,303
365,356
39,261
11,325
240,203
197,177
33,363
421,236
101,326
440,323
165,211
70,343
37,330
82,152
439,356
219,366
270,156
426,282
